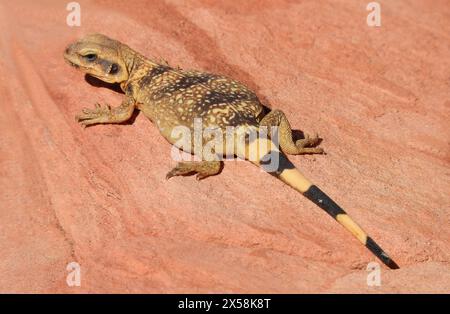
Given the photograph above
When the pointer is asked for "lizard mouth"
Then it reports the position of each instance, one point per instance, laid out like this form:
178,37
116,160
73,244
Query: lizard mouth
80,67
73,64
77,66
91,71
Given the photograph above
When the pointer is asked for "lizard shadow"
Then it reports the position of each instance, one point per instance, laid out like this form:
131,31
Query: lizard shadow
93,81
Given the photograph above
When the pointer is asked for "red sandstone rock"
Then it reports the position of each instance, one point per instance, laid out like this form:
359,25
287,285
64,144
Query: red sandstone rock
379,97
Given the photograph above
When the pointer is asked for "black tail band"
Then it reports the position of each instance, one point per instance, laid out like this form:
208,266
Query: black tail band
315,195
322,200
378,252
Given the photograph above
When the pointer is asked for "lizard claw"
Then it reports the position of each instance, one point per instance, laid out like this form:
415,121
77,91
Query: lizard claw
200,176
177,171
183,169
92,116
169,175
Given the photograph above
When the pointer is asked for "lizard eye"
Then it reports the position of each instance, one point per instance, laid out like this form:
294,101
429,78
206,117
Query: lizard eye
90,57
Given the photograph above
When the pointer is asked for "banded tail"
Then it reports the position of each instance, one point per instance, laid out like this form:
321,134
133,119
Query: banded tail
290,175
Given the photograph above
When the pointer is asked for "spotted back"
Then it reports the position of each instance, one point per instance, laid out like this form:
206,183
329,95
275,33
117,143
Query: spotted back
176,97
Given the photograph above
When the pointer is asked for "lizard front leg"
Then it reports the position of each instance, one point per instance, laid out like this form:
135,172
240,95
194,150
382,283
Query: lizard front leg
106,114
203,169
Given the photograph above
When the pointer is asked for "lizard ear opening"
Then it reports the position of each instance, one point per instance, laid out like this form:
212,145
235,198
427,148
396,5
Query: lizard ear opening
114,68
109,67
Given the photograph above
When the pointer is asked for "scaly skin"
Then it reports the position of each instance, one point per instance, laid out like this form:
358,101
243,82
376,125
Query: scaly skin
172,97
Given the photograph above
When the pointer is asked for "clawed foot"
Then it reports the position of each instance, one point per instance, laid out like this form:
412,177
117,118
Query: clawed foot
92,116
201,169
182,169
307,144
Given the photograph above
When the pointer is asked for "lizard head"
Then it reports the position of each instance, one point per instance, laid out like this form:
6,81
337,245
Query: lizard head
99,56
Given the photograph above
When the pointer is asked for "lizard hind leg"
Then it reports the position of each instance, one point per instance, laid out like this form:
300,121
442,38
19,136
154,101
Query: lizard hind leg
203,169
277,118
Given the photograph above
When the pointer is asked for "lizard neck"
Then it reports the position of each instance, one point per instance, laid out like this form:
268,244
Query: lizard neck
134,63
131,58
